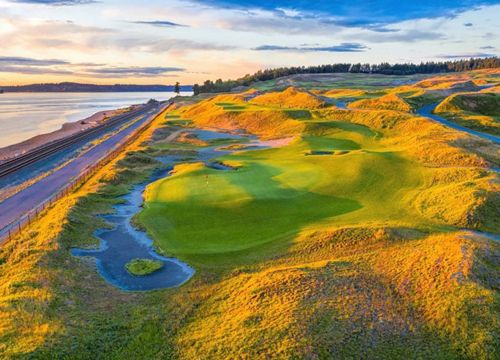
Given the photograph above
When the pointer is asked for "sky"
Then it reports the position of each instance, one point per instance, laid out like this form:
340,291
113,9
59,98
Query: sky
162,42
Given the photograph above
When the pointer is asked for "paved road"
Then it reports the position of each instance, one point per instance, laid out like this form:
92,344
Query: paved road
19,204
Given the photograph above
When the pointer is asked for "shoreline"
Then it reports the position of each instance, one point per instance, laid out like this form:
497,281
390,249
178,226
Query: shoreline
66,129
46,117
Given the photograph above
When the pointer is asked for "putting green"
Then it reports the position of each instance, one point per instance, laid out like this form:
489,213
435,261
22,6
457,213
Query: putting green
278,192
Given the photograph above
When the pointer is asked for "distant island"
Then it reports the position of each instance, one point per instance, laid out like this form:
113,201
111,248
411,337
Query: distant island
77,87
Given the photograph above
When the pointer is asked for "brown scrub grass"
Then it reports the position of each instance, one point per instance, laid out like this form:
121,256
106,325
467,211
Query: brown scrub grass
378,289
36,268
387,102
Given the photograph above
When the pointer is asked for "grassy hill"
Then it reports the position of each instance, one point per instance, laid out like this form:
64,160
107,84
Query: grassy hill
289,98
478,111
354,235
387,102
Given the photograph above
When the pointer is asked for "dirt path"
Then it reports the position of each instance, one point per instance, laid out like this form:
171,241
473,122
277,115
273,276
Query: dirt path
173,136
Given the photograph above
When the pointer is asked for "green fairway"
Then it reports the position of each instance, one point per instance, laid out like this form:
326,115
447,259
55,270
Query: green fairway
276,193
356,232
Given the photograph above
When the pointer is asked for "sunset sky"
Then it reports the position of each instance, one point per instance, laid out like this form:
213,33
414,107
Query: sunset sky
161,42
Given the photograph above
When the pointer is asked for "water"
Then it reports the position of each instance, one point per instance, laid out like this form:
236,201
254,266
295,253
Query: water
341,104
24,115
427,111
124,243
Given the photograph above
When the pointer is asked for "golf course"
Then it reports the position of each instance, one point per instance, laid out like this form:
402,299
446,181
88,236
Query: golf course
322,218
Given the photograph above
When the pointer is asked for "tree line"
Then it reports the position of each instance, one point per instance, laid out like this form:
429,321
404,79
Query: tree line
383,68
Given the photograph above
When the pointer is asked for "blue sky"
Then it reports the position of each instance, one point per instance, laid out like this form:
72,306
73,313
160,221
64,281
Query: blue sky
360,13
110,41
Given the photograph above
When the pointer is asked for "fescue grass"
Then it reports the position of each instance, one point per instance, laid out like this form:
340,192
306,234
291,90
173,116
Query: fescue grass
350,255
142,267
289,98
478,111
387,102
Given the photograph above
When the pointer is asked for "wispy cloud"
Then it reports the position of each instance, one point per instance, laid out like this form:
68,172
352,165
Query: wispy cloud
32,66
465,56
91,39
135,71
344,47
376,13
56,2
157,45
32,70
15,60
406,36
159,23
228,38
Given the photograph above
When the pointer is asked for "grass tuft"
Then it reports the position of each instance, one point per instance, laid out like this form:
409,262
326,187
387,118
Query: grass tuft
142,267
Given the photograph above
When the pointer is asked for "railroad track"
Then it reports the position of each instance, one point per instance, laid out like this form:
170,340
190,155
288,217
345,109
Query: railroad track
13,165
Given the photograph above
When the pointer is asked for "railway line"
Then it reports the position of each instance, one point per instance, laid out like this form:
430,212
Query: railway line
14,209
15,164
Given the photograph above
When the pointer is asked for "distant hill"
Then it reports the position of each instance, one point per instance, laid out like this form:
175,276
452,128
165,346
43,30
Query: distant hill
77,87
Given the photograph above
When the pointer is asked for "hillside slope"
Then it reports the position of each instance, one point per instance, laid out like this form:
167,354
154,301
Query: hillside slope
387,102
478,111
350,233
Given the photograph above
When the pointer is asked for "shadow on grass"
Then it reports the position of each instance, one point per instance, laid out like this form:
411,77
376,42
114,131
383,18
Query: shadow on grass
265,211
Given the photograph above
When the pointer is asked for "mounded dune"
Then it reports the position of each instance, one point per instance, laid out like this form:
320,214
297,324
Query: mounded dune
459,196
449,193
492,89
448,82
429,143
291,98
229,112
478,111
464,86
386,102
344,93
389,290
354,262
465,81
480,103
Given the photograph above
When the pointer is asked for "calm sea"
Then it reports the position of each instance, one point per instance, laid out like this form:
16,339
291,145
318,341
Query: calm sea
24,115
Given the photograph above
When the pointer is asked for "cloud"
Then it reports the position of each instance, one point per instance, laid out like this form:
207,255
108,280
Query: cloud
407,36
156,45
344,47
469,24
466,56
56,2
364,14
32,70
159,23
489,36
134,71
278,21
15,61
32,66
92,39
488,47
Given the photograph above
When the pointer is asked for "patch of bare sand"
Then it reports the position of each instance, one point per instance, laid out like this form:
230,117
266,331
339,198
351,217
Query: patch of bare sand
275,143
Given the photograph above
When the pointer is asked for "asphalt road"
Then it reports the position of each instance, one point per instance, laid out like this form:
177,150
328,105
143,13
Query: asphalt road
19,204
